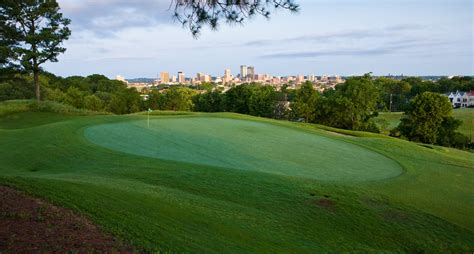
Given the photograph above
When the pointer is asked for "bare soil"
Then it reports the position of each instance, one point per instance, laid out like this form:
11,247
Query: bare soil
30,225
326,203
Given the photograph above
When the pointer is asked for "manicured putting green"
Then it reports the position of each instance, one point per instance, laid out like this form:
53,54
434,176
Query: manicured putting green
245,145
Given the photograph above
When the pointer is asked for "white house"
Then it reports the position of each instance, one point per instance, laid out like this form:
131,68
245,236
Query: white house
460,99
471,98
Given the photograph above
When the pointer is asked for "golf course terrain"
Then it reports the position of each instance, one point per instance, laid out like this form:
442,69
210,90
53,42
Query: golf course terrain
466,115
230,183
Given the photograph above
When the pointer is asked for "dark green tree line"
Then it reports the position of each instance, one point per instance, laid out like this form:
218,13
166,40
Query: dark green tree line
33,32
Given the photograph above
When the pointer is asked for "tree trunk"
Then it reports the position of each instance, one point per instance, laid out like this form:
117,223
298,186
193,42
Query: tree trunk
37,84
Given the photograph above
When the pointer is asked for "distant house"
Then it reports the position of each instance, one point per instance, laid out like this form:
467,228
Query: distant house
461,99
471,98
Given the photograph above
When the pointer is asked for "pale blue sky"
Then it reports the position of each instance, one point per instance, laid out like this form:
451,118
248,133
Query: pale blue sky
345,37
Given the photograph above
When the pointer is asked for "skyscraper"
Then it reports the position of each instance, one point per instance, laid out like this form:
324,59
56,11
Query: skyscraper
251,73
227,76
243,72
165,77
181,77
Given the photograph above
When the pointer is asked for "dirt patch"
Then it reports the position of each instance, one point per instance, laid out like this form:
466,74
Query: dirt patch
29,225
326,203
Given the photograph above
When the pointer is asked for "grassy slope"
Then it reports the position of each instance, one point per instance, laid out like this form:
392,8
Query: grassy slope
246,145
465,114
166,205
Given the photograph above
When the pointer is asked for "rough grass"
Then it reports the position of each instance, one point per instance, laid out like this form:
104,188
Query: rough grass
18,106
465,114
172,205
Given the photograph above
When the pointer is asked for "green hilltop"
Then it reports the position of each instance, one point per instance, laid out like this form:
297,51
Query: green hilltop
222,182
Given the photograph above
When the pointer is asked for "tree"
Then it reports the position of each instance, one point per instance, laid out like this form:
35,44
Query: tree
237,98
262,101
351,106
304,104
178,99
424,119
92,102
393,93
210,101
196,13
447,135
38,30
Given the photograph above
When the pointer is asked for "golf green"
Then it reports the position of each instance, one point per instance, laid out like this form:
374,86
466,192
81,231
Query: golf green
245,145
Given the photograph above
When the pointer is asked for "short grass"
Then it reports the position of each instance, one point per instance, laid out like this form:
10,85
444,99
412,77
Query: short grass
388,121
214,203
245,145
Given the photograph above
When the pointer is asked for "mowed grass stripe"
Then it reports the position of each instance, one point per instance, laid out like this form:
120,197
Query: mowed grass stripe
245,145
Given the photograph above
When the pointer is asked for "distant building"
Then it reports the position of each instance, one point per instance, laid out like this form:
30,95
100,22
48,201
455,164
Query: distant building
471,98
181,77
251,73
299,79
243,72
165,77
227,76
120,78
460,99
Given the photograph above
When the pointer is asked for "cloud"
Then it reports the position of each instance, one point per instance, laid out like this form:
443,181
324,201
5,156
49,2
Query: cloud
355,34
107,17
411,46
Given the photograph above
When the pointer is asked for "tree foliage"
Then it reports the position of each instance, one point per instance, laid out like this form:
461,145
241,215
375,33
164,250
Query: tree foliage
305,103
429,120
194,14
351,105
32,33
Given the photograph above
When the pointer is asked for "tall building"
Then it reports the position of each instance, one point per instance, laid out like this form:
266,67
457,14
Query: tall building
165,77
299,79
120,78
199,75
251,73
243,72
181,77
227,76
173,79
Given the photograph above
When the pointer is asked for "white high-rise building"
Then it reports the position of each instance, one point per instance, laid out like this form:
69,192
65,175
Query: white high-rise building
181,77
243,72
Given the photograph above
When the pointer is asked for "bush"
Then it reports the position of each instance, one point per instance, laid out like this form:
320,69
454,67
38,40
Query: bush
94,103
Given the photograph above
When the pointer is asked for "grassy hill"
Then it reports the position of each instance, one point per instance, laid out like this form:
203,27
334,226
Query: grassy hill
464,114
231,183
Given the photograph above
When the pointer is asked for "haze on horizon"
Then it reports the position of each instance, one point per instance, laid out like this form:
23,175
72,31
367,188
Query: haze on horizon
344,37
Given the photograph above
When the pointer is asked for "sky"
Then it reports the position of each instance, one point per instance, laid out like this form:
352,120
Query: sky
327,37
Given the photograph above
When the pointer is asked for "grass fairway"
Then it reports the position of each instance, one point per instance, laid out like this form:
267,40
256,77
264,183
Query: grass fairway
228,183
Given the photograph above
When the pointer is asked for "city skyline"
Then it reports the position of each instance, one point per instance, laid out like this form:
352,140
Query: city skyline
326,37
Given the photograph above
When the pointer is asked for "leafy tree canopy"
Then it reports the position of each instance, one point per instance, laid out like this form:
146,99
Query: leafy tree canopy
195,14
32,33
428,120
